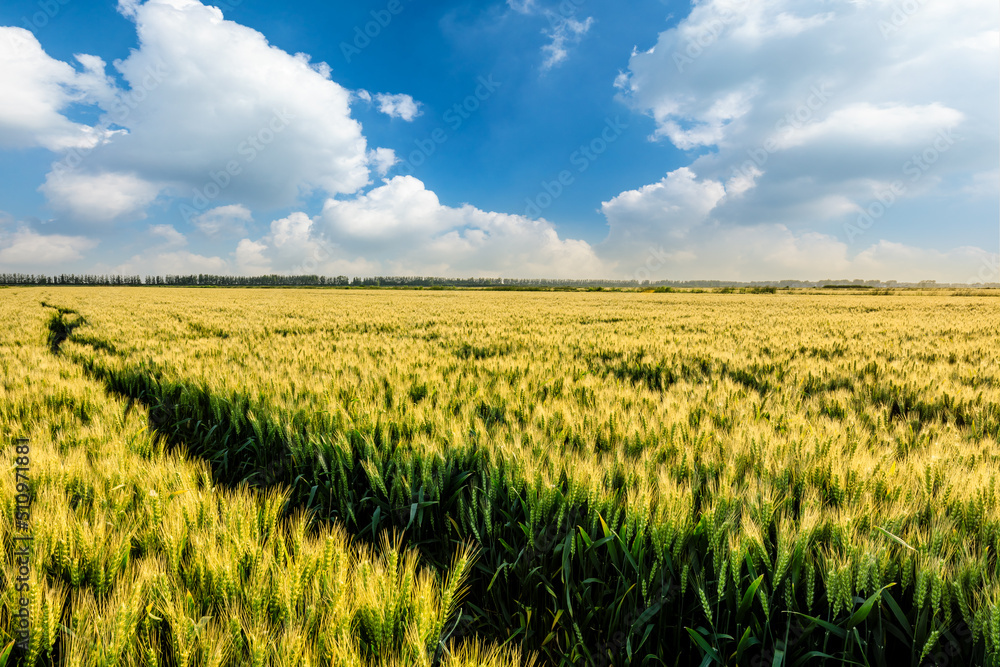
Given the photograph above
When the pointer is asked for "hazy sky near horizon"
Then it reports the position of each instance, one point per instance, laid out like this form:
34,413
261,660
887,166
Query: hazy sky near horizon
725,139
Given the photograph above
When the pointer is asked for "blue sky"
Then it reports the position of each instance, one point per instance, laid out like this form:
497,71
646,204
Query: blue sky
726,139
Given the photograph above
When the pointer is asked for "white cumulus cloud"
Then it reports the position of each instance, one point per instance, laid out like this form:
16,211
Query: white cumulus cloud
401,228
398,106
818,99
100,197
800,115
668,231
35,90
211,114
27,249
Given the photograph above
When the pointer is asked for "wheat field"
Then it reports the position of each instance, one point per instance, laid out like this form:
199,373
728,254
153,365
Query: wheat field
419,477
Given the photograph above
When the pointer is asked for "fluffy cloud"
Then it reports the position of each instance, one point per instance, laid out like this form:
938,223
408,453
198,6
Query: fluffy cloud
402,228
27,249
800,115
667,231
822,102
398,106
211,112
382,159
668,208
171,238
863,123
406,223
99,197
223,221
227,96
36,89
250,259
176,262
396,213
290,247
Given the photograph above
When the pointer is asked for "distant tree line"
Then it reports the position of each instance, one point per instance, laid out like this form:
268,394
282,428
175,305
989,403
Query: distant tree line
420,281
201,279
274,280
67,279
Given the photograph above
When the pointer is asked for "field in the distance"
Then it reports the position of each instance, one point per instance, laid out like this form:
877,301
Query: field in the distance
647,478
